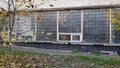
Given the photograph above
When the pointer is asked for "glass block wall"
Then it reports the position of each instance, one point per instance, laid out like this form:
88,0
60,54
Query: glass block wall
115,34
70,21
95,26
23,27
46,27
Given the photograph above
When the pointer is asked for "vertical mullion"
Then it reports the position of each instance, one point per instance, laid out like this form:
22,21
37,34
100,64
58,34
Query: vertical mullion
81,26
110,39
71,39
57,25
35,28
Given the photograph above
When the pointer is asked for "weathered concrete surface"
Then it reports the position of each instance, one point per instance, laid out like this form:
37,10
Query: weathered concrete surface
64,3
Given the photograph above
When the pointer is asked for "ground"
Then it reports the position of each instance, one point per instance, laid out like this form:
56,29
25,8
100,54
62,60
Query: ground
59,52
46,58
49,61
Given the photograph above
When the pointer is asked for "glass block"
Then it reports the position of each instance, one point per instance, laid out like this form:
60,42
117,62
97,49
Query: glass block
76,37
95,26
70,21
64,37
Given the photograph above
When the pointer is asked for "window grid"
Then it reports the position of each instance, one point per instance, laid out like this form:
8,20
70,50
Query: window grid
115,34
70,21
95,26
23,27
47,28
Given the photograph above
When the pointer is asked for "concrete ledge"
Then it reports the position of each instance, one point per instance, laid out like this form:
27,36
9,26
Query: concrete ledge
109,53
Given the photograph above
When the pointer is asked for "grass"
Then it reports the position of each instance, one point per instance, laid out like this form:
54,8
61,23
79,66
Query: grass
75,51
98,59
96,53
3,52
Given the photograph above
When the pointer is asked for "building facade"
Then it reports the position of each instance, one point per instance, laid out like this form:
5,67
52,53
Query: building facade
80,24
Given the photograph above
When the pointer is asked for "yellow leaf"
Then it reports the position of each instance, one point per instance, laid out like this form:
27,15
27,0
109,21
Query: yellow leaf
9,31
92,65
37,18
26,41
20,5
23,13
2,9
42,31
4,44
4,14
48,34
45,60
33,39
13,65
105,17
16,0
10,44
27,65
35,33
19,38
